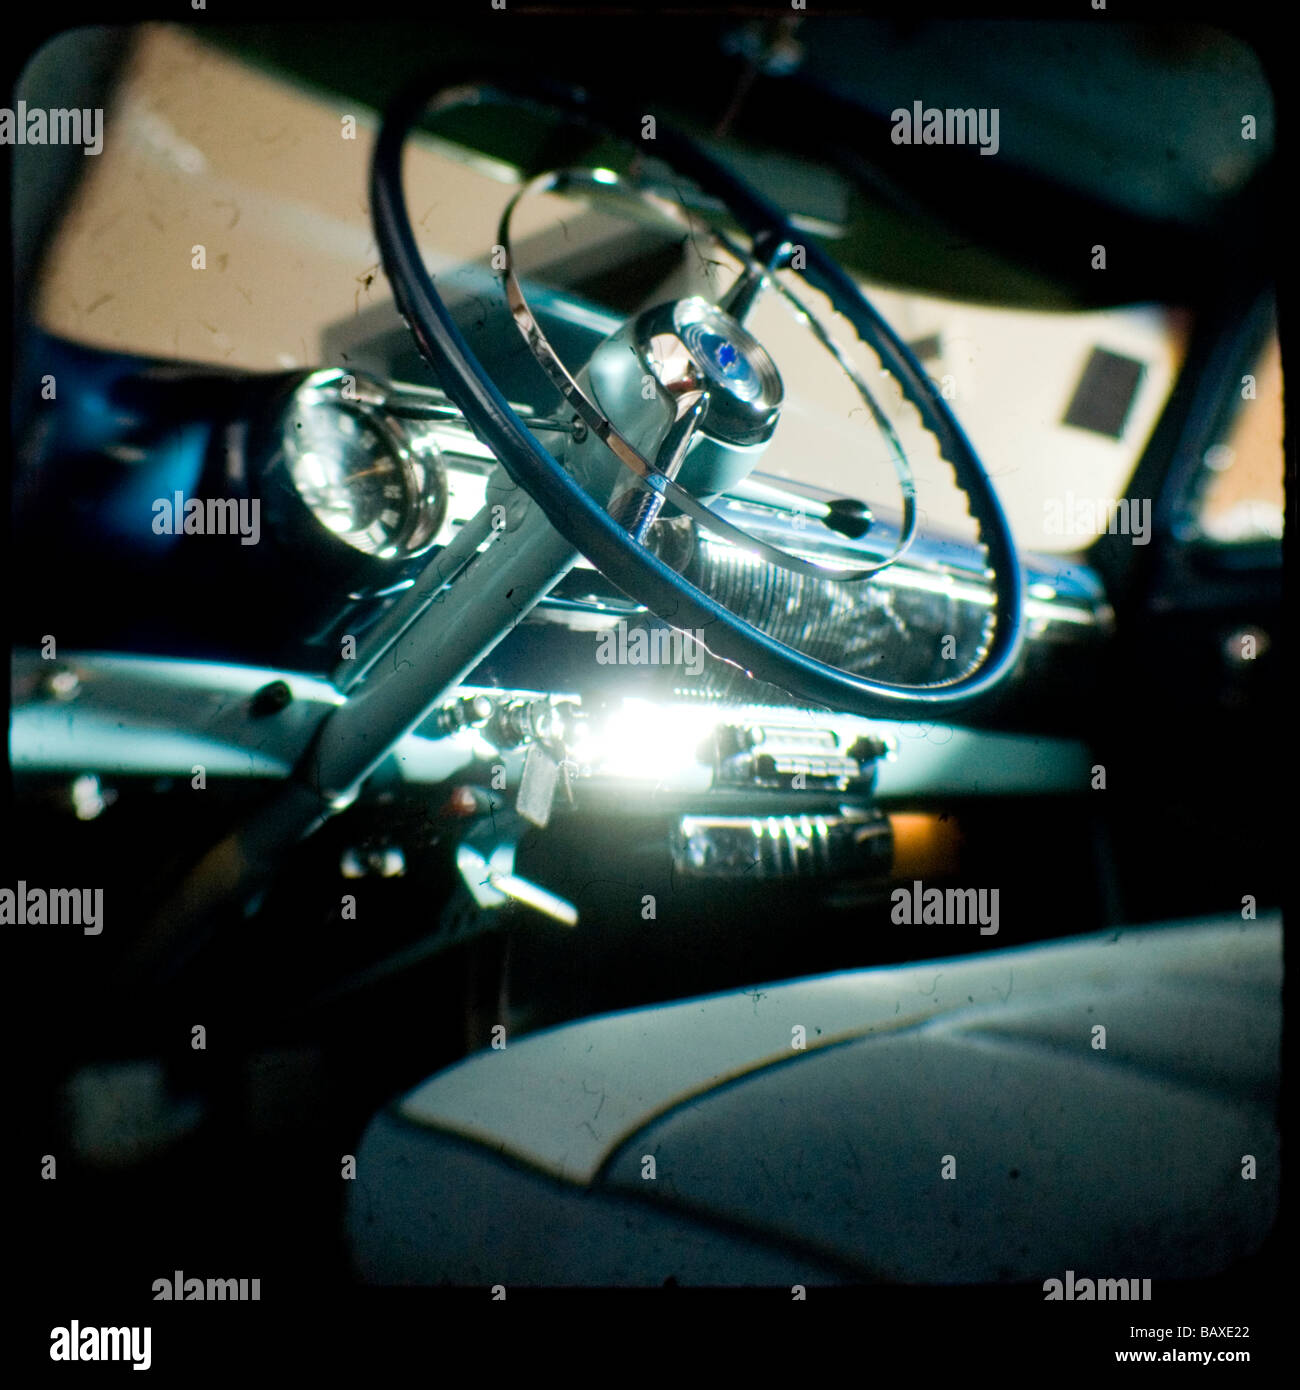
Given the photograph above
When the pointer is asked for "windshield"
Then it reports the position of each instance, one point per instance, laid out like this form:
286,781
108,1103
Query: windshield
283,273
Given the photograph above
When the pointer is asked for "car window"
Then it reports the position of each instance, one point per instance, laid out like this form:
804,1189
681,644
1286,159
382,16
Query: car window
1059,404
1242,495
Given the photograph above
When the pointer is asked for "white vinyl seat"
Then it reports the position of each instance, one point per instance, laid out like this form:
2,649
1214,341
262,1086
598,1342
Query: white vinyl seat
950,1122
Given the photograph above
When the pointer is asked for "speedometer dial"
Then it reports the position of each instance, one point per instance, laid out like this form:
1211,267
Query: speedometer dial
357,473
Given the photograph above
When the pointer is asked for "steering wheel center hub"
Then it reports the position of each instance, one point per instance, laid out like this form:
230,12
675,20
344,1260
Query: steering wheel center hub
654,368
742,381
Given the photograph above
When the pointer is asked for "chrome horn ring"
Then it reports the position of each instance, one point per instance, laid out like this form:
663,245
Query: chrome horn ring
754,274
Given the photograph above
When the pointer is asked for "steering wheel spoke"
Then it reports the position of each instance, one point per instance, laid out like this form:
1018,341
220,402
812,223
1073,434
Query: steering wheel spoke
771,251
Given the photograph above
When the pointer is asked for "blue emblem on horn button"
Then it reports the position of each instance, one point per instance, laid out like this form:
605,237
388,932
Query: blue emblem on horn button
723,362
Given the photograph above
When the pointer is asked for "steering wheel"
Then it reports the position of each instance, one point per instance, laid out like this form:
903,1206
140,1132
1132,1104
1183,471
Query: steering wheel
725,389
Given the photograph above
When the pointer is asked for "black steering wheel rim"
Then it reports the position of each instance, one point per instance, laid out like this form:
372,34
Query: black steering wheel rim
578,516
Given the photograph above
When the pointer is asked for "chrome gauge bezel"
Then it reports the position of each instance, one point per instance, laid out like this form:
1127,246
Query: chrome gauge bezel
419,463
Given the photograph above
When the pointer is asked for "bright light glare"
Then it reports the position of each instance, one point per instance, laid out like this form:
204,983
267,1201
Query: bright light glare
644,741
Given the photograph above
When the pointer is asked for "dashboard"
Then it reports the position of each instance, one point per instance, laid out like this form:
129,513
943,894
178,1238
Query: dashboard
355,483
357,487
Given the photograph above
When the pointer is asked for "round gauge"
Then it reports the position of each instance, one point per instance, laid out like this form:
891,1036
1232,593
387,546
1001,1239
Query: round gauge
357,473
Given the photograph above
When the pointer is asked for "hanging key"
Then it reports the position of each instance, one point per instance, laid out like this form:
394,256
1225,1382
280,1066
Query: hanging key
537,785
